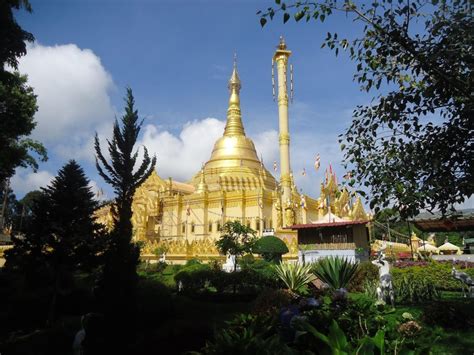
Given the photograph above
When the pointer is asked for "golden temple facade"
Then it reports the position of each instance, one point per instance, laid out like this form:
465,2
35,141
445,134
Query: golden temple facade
233,184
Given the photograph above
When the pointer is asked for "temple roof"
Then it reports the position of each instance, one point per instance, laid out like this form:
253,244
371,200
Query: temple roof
234,164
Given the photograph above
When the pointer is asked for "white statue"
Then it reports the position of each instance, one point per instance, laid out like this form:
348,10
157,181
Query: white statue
162,258
385,288
230,264
466,282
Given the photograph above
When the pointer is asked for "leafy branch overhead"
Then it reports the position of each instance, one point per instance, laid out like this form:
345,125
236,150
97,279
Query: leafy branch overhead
413,146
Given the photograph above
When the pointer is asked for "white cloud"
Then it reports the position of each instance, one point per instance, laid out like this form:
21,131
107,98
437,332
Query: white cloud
72,88
25,180
266,144
181,156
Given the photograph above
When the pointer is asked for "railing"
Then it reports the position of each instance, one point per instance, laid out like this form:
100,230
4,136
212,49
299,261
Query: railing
328,246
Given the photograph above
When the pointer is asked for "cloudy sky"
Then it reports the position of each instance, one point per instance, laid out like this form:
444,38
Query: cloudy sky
177,58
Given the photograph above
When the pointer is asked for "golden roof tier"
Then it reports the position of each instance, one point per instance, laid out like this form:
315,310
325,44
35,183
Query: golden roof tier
234,164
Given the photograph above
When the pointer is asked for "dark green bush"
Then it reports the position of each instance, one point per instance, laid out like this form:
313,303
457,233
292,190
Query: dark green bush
271,301
193,261
253,277
270,248
457,314
154,301
194,277
367,272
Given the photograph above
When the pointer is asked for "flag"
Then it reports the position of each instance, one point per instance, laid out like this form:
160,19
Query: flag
317,162
275,168
303,172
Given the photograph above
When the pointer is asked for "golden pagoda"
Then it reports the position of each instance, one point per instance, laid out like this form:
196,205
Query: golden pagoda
233,184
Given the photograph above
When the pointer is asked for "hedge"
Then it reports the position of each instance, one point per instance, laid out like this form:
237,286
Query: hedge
270,248
438,274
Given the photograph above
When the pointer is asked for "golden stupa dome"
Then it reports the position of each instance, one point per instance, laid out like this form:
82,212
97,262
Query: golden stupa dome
234,164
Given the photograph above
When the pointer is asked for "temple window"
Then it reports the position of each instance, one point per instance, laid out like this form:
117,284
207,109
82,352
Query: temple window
210,227
193,227
219,226
257,225
183,227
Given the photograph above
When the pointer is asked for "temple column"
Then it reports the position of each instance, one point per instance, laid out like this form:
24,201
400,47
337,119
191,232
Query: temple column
281,59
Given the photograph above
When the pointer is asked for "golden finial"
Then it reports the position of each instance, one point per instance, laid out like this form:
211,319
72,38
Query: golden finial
234,123
234,81
282,44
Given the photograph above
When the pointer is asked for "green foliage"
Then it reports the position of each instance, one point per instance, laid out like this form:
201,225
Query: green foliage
193,261
236,239
295,276
270,248
334,271
12,37
366,272
412,289
456,314
198,277
17,99
247,334
270,301
436,274
194,277
16,123
117,283
334,343
417,59
63,235
159,251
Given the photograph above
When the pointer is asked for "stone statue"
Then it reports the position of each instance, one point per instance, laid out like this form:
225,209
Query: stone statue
230,264
385,290
303,201
466,282
279,216
290,216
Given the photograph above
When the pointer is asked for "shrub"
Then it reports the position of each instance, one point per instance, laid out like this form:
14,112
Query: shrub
435,273
263,274
247,334
296,276
193,261
270,248
450,314
335,271
270,301
411,289
194,277
366,273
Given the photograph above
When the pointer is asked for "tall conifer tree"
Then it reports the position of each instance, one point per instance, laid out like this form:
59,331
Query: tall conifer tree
63,236
118,283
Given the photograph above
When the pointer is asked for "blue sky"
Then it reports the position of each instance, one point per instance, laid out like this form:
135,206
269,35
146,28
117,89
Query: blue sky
177,58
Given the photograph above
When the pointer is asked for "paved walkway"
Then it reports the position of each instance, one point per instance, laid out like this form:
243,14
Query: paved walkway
463,257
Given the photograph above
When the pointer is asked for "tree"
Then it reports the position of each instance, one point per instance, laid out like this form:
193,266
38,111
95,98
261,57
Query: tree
270,248
236,239
24,211
17,100
8,208
413,146
63,237
118,283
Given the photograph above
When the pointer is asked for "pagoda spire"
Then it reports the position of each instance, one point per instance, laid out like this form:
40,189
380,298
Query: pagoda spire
234,126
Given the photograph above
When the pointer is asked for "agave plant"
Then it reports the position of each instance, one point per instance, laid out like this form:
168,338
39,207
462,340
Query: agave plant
295,276
335,271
